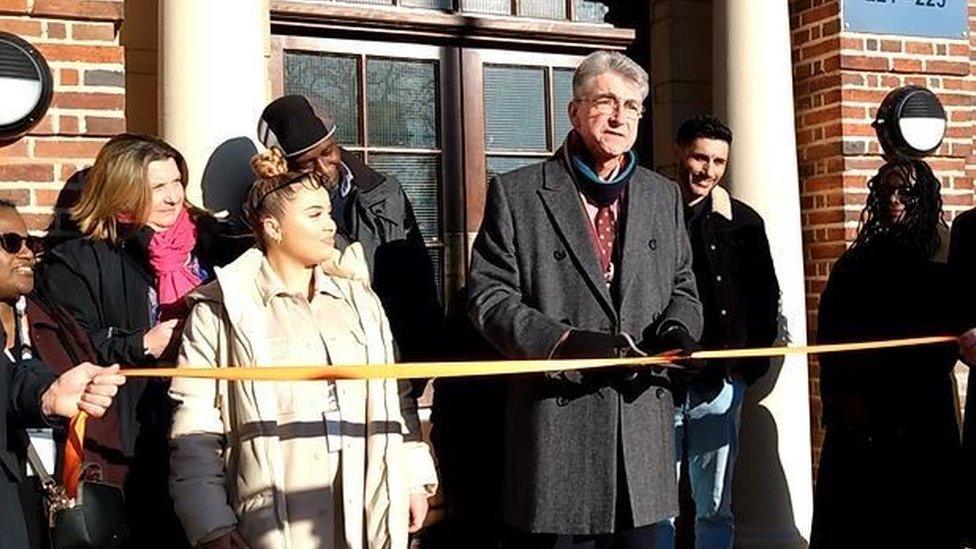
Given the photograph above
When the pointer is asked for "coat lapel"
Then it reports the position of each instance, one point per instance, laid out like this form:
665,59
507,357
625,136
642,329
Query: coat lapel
637,231
562,202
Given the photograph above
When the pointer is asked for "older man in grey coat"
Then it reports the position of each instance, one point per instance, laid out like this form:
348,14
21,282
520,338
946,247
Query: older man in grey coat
586,255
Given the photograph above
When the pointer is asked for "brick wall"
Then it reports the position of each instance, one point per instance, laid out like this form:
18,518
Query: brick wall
79,39
840,78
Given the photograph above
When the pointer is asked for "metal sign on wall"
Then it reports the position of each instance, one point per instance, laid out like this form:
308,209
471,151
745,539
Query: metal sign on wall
928,18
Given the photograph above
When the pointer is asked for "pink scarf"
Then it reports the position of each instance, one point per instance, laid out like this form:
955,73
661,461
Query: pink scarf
169,255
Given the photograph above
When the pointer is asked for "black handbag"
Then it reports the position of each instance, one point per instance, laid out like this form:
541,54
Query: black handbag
95,518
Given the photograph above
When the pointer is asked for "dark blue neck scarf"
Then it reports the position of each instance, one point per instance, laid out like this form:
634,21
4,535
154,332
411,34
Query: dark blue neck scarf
600,192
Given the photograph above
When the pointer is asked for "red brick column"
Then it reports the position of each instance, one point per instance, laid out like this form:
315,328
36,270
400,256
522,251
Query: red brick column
80,41
840,78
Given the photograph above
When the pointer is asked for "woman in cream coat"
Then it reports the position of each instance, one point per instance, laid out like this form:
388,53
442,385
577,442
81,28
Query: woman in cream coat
293,464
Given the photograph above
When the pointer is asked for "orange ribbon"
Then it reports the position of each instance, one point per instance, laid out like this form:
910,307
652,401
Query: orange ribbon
74,447
74,454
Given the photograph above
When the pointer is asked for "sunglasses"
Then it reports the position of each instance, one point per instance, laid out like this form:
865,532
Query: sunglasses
12,243
905,195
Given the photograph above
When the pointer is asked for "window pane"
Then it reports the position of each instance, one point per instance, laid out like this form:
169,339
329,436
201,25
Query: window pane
562,93
591,11
402,99
546,9
419,176
435,4
331,80
515,108
503,7
498,165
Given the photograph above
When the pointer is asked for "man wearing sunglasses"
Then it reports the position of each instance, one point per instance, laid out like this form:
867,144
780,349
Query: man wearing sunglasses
31,395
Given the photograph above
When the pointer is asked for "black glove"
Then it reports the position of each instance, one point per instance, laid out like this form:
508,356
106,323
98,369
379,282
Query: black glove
676,338
589,344
705,375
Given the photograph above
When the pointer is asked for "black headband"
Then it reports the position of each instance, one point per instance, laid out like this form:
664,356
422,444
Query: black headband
287,183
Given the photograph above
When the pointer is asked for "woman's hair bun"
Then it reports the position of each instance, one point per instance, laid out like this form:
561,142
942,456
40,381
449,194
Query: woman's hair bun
269,164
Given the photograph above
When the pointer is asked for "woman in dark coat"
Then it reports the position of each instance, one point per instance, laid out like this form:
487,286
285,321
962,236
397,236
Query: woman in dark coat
890,463
143,249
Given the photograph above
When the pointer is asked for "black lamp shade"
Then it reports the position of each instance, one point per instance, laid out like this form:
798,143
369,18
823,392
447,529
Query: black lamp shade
26,86
911,122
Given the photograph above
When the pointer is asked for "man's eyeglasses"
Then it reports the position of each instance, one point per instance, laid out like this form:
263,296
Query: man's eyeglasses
13,243
609,104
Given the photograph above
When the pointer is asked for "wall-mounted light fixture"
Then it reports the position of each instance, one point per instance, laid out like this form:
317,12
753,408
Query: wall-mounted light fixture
26,86
910,122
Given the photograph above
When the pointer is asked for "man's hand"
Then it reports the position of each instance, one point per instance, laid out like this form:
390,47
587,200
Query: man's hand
967,347
418,512
85,387
676,339
587,344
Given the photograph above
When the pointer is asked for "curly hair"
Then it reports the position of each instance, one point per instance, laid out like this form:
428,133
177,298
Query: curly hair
275,187
918,228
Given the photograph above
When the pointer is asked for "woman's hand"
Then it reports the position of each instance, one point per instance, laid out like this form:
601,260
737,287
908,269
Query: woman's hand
85,387
159,337
418,512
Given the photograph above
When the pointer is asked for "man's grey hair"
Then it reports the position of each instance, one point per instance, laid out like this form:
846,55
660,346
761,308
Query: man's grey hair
600,62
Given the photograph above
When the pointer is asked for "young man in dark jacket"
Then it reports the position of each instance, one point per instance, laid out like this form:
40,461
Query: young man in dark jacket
740,297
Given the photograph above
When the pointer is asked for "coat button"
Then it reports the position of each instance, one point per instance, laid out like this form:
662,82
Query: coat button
718,278
652,243
559,255
723,312
711,247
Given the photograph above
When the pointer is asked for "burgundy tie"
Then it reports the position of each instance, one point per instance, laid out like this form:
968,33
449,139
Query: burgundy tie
606,232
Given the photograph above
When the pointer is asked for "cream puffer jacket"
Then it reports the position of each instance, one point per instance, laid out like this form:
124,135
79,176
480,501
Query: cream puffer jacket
226,462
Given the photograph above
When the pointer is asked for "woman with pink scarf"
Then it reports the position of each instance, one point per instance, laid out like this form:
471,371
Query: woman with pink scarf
143,249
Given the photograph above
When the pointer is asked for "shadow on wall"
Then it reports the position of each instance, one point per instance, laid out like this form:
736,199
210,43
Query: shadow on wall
227,178
62,227
766,518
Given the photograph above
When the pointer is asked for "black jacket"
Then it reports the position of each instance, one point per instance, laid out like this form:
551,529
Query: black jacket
736,281
378,214
962,261
891,448
105,288
21,386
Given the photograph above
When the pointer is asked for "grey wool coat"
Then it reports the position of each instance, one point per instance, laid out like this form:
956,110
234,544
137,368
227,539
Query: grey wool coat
535,275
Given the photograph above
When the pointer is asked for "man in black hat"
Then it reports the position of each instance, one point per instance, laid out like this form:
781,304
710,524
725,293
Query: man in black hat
370,208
